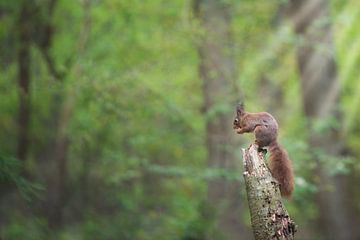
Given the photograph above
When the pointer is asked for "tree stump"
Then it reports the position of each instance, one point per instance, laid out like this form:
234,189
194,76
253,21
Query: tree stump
269,218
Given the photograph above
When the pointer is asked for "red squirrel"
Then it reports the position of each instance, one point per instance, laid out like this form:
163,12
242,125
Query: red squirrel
265,128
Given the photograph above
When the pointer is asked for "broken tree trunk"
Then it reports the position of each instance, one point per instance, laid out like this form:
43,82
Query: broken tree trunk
269,218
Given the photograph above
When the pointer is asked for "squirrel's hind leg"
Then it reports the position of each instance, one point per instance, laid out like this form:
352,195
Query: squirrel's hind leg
260,148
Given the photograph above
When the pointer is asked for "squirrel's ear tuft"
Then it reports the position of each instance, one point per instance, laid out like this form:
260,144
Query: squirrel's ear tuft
240,110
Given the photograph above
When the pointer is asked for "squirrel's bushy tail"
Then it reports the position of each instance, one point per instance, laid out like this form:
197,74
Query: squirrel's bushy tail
281,168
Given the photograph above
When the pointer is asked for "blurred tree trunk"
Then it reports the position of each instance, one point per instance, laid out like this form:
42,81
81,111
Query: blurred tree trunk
57,190
320,93
24,78
57,187
53,158
217,71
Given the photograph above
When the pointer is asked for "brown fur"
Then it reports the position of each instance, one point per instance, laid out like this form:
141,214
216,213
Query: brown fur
281,168
265,129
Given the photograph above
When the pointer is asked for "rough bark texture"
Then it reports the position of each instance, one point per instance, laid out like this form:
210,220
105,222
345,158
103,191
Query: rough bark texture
321,98
269,218
217,71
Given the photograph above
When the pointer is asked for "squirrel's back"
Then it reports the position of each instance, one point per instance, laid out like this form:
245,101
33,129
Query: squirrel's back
261,118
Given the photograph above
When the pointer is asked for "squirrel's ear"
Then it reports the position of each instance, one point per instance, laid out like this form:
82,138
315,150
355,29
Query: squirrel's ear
240,110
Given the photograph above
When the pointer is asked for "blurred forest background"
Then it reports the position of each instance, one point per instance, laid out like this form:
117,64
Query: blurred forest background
116,116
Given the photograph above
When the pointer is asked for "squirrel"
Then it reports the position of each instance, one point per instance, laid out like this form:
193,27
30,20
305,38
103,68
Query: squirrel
265,128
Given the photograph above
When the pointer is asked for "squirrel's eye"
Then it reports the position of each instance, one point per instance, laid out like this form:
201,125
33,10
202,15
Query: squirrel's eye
236,121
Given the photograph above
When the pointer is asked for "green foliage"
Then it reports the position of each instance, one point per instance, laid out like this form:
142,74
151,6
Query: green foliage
136,163
21,228
11,174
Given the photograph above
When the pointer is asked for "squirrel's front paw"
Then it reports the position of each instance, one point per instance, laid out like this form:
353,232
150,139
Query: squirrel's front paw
239,130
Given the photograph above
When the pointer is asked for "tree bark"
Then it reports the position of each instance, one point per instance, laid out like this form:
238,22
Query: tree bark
321,98
217,71
269,218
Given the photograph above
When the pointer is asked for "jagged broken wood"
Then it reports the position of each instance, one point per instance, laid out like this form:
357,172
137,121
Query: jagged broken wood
269,218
